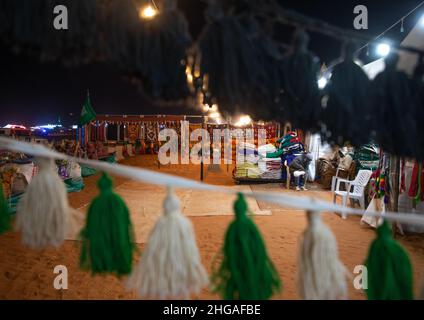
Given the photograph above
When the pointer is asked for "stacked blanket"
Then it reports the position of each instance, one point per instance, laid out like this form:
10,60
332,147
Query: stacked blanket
247,170
270,168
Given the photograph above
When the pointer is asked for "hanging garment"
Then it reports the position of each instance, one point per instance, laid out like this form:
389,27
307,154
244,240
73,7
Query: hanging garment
151,132
133,132
416,189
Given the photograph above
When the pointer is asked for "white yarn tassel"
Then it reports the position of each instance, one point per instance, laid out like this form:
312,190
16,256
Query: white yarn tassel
170,265
321,275
43,212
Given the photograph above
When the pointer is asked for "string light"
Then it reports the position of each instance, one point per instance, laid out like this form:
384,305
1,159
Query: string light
243,121
148,12
322,82
383,49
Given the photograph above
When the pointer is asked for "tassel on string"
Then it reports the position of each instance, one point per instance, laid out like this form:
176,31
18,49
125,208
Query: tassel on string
163,41
77,44
120,23
229,59
418,90
246,271
389,268
321,275
301,103
170,265
5,219
43,212
346,110
393,110
108,237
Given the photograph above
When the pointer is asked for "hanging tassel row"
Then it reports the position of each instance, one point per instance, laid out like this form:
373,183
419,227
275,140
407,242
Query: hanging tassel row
170,265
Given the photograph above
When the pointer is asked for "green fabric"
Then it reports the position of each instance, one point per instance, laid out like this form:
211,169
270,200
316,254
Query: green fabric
275,154
87,113
389,268
111,159
367,157
74,185
87,171
13,202
107,239
5,223
246,271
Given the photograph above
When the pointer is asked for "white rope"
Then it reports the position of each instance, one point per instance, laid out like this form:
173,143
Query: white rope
162,179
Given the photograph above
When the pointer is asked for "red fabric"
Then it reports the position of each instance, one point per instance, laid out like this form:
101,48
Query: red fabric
402,177
413,188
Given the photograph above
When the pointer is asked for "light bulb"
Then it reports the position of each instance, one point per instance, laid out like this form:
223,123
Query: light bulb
322,82
148,12
383,49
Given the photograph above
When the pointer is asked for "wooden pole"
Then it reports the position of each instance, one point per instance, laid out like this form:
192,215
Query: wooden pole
201,152
394,182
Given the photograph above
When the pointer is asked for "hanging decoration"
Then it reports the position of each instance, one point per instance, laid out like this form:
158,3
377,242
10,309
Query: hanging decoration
322,276
228,60
26,24
162,44
418,90
43,212
5,223
120,24
246,272
416,188
77,43
393,104
346,110
264,97
170,265
29,27
389,268
108,236
301,99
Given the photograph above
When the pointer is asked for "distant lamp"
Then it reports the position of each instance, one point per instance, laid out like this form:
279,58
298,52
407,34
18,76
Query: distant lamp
422,20
243,121
383,49
148,12
322,82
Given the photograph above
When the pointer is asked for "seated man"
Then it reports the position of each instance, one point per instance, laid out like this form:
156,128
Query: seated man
299,168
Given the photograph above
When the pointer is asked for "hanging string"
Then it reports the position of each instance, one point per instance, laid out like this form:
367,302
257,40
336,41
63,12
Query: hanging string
162,179
391,27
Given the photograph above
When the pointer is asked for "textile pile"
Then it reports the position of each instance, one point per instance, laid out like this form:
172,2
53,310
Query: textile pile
270,168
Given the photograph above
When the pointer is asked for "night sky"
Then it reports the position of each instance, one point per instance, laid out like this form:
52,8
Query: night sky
33,93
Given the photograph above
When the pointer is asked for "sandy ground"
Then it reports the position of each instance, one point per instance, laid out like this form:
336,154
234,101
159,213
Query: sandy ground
28,274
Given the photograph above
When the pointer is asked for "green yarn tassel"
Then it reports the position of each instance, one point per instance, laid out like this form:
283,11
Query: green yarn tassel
5,223
389,268
246,272
108,235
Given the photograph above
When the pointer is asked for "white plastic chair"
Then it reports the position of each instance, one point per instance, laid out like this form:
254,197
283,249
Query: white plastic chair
357,193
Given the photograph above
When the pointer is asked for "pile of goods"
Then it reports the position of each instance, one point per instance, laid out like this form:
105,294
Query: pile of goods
265,162
270,168
367,157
